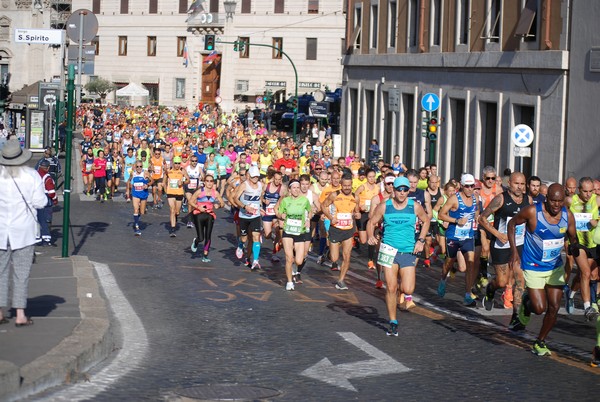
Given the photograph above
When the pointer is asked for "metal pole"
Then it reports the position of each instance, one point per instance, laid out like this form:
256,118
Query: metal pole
431,151
68,154
295,73
61,96
80,57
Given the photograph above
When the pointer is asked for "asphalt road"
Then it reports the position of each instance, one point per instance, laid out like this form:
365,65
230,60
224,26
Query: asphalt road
218,323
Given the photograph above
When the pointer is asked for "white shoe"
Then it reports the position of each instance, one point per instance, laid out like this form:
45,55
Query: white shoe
239,253
289,286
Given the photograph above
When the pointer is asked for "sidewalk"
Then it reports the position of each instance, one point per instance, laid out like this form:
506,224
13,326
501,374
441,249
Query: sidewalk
71,331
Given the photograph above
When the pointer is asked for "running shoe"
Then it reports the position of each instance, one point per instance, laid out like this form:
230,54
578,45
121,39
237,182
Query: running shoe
539,348
371,264
184,209
289,286
570,305
190,225
136,227
334,267
205,259
441,290
595,357
379,284
194,246
274,258
427,263
524,314
255,265
299,278
239,253
320,260
483,282
488,299
276,247
469,301
341,286
590,313
393,331
138,233
515,324
172,233
160,205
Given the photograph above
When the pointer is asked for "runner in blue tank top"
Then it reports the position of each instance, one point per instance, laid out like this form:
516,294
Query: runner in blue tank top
398,249
138,191
461,212
547,225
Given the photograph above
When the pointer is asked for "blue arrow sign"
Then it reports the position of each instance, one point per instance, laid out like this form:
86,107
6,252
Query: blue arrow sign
430,102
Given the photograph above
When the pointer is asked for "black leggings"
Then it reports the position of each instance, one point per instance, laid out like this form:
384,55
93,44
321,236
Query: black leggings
101,184
203,223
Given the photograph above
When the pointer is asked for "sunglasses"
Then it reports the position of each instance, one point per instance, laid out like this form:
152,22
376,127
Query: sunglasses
469,185
491,178
389,184
402,189
209,181
286,154
137,166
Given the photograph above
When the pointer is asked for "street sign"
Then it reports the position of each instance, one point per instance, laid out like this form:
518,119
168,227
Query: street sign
522,152
430,102
394,100
86,27
318,109
88,53
44,36
522,135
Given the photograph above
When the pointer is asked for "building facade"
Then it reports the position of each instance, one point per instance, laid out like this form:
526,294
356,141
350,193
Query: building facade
157,44
493,64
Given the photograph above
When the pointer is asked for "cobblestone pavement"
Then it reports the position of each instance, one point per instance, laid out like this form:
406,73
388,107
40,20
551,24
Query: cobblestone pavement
219,323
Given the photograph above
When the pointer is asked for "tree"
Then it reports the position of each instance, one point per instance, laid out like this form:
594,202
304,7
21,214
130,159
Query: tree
100,87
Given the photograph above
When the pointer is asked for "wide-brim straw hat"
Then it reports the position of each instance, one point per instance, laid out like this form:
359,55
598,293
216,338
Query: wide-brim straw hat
13,155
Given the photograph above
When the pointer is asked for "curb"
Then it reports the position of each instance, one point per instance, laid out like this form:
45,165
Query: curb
91,341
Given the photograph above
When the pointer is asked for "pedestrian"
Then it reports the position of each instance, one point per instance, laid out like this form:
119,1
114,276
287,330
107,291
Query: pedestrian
546,226
137,190
202,204
44,215
21,192
398,250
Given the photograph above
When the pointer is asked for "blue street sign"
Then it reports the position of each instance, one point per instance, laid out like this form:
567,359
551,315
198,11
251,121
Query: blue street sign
522,135
430,102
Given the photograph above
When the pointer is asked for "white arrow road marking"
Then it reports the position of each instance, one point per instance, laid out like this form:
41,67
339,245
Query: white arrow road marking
341,374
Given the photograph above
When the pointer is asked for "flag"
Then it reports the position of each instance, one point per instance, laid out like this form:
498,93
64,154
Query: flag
211,56
186,57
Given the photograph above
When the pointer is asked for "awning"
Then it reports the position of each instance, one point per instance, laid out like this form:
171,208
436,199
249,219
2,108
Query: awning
133,89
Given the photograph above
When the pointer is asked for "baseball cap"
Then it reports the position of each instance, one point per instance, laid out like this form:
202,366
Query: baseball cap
44,163
177,159
467,179
254,172
401,181
389,179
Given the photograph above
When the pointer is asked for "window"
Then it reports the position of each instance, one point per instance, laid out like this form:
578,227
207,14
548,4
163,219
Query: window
96,6
246,6
153,7
179,88
124,6
311,48
374,28
413,23
214,6
355,39
241,86
462,22
392,22
527,25
279,6
245,53
493,21
151,45
181,41
278,44
313,6
96,44
436,22
183,6
122,45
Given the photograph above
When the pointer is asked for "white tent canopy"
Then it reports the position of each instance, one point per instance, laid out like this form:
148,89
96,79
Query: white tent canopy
133,89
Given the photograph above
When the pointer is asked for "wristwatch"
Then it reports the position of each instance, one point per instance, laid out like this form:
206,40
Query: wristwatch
422,240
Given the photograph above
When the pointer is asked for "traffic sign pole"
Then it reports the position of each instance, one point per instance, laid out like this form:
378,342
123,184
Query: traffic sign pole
68,154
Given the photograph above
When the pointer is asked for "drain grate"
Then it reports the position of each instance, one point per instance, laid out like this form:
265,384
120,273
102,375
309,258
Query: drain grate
227,392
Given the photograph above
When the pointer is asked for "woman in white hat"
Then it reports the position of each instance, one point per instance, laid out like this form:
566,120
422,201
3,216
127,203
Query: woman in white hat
21,193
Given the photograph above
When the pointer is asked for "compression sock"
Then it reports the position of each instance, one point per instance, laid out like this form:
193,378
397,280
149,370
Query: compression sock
301,266
136,219
256,250
371,252
322,245
483,266
593,290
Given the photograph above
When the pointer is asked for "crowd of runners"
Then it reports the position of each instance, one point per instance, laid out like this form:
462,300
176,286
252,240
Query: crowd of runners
508,233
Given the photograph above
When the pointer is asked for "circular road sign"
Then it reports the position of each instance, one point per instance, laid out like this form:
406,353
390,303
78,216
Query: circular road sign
522,135
87,28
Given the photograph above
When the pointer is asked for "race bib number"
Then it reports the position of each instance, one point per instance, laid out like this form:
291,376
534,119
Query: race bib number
293,226
157,169
464,231
138,186
582,221
193,184
344,220
173,183
386,255
551,249
222,170
88,167
288,171
270,210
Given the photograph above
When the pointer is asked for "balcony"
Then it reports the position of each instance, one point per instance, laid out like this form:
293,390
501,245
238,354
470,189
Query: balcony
206,23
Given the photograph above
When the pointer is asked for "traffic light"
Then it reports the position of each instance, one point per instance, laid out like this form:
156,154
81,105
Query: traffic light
242,46
295,104
432,127
235,46
209,42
